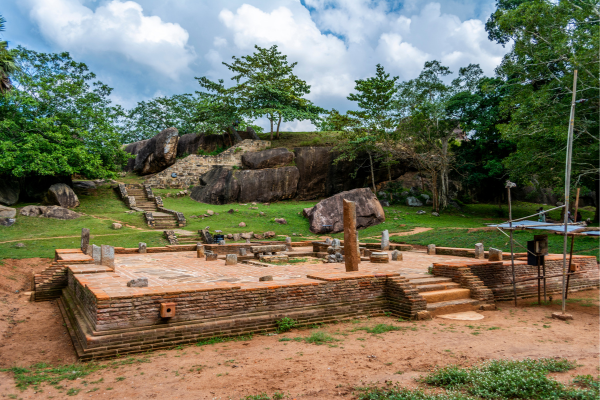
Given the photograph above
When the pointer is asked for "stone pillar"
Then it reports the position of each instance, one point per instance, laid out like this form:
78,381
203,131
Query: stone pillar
350,247
211,256
379,257
479,251
495,254
431,249
242,251
231,259
328,241
142,248
107,256
385,240
96,254
199,250
85,239
89,250
288,243
396,255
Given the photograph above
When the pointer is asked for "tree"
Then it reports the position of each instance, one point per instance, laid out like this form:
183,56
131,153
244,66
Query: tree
267,86
7,62
549,41
373,128
58,120
336,122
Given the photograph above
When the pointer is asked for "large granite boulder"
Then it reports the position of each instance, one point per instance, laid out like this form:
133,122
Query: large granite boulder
7,212
272,158
328,215
159,153
190,143
55,212
9,191
62,195
222,185
133,148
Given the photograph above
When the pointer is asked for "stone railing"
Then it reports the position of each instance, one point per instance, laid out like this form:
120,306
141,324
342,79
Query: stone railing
149,219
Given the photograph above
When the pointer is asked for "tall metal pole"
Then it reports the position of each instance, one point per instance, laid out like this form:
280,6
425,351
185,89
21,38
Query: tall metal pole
509,185
572,244
568,188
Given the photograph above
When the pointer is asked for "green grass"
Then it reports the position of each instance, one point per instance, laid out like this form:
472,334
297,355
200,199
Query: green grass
302,139
219,339
379,328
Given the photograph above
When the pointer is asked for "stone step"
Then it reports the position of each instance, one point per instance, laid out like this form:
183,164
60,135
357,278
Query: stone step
453,306
437,287
429,281
437,296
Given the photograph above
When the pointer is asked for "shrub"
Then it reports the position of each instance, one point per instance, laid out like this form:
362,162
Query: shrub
285,324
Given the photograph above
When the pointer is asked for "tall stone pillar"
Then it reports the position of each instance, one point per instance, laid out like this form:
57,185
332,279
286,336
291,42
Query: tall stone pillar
351,254
85,239
385,240
107,256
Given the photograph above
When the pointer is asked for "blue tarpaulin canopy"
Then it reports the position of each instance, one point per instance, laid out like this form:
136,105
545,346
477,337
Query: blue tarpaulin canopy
547,226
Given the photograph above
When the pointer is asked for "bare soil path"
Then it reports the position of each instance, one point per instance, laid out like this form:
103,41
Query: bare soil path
33,332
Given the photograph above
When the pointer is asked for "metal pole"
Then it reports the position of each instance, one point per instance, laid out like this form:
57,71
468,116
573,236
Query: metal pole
539,282
509,185
572,243
568,187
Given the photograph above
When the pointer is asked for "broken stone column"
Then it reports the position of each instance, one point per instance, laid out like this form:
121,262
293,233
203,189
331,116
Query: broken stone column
350,248
89,250
328,241
96,254
479,251
231,259
396,255
385,240
85,239
199,250
138,282
495,254
379,257
211,256
142,248
431,249
107,256
242,251
288,243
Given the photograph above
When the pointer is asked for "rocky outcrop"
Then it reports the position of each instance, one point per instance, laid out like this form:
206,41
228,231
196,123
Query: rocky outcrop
190,143
55,212
62,195
328,215
133,148
9,191
222,185
159,153
272,158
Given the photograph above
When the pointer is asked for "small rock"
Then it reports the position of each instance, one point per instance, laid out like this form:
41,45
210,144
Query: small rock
218,231
421,212
7,221
20,245
269,234
265,278
7,212
242,224
230,211
116,225
435,214
210,212
138,282
262,214
281,221
229,236
207,228
253,204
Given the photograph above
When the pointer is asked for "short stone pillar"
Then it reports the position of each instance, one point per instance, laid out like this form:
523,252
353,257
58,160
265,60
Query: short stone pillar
89,250
222,242
199,250
479,251
351,256
288,243
142,248
431,249
107,256
96,254
367,253
85,239
396,255
247,240
242,251
385,240
495,254
231,259
328,241
379,257
211,256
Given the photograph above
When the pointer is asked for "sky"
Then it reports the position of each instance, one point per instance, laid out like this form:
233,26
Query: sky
149,48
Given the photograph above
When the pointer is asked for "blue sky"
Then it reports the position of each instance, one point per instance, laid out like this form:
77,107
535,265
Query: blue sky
148,48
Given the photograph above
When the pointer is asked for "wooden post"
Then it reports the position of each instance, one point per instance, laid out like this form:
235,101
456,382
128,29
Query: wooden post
350,243
509,185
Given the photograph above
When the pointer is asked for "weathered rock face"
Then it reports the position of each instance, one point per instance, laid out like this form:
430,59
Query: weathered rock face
328,215
133,148
190,143
272,158
320,177
9,191
7,212
35,188
62,195
222,185
159,152
55,212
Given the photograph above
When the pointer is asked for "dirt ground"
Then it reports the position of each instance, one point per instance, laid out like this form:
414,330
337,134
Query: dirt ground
33,332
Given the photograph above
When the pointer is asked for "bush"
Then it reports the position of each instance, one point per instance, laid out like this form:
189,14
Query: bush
285,324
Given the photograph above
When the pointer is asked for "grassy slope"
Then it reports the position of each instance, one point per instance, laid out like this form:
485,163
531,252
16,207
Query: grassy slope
302,139
104,208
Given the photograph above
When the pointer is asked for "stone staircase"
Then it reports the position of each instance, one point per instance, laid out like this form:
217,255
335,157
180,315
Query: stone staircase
141,198
443,296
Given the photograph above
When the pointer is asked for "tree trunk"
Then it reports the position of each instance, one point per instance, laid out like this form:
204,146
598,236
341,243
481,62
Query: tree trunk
597,190
372,173
444,174
278,125
271,119
434,188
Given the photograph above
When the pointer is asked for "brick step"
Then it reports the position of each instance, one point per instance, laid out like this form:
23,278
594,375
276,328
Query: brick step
437,296
429,281
437,287
453,306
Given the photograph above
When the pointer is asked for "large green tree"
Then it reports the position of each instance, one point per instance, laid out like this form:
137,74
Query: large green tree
548,41
57,120
7,62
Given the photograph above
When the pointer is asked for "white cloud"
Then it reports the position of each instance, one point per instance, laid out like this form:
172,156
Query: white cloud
400,55
116,27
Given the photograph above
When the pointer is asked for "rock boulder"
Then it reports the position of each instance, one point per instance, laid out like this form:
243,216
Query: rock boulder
190,143
55,212
327,215
133,148
62,195
9,191
271,158
7,212
158,153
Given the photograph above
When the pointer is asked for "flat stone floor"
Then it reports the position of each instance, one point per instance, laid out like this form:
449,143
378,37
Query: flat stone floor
177,268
